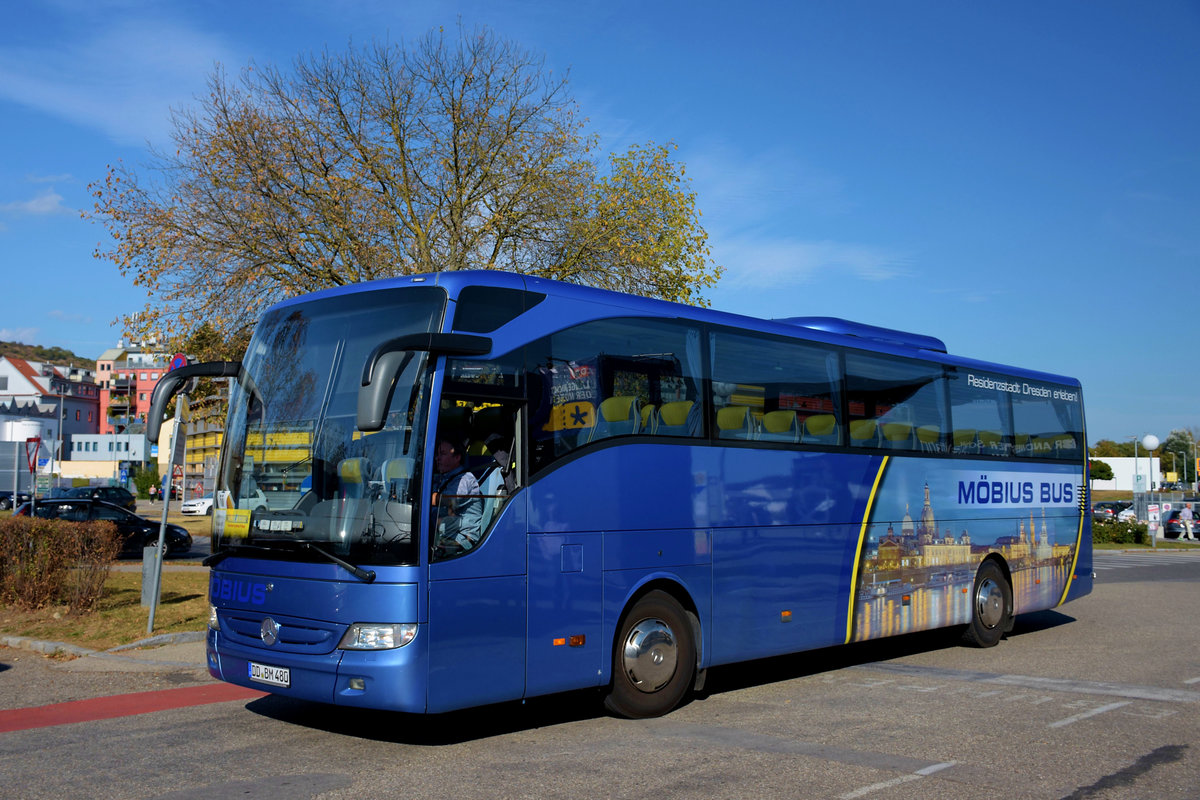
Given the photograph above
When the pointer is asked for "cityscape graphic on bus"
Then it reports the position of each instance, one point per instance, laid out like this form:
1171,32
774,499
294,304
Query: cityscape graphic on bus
931,526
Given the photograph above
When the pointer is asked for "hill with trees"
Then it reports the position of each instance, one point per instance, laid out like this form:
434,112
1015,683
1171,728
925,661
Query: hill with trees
50,355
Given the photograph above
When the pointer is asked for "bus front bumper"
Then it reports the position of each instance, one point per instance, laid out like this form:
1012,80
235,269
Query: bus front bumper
392,680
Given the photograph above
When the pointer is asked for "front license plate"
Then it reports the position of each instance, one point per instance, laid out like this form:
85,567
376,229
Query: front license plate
276,676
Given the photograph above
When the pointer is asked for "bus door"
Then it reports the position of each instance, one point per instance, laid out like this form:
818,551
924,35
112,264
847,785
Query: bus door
476,540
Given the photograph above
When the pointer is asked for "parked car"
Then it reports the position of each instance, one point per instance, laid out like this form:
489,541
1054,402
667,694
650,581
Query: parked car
1109,509
6,499
117,495
136,532
1127,515
1172,527
198,505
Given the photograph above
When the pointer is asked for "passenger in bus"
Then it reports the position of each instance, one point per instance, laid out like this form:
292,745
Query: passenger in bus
457,497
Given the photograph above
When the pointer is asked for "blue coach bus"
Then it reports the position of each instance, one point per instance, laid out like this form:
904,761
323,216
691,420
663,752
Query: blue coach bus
653,489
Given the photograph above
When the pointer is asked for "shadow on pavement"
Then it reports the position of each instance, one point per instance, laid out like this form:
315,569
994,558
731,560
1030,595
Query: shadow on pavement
505,718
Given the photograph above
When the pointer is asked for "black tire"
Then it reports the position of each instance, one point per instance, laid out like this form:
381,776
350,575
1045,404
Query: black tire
654,658
991,607
208,511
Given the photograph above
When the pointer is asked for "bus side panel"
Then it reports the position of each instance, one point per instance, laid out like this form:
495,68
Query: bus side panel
1081,582
565,648
476,641
779,589
477,619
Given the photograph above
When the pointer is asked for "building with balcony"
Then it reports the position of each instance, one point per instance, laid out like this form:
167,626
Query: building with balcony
126,375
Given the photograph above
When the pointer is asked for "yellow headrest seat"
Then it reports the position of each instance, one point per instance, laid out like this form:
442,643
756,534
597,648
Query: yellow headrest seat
964,436
647,413
896,431
820,424
779,421
861,429
397,469
675,412
617,409
929,434
732,418
350,470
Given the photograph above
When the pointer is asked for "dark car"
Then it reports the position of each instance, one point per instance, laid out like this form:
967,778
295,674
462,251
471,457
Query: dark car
1109,509
6,499
117,495
136,532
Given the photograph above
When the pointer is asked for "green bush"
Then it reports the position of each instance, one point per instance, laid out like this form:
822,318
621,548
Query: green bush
1114,532
46,562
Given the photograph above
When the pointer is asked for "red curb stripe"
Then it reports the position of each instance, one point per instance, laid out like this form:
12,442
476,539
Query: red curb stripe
121,705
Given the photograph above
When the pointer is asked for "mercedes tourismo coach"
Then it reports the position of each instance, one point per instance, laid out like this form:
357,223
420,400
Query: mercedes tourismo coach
454,489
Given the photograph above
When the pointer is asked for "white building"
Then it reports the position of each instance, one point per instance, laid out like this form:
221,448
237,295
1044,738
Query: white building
1127,471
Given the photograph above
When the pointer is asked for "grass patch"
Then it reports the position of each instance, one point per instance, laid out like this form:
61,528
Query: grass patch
119,617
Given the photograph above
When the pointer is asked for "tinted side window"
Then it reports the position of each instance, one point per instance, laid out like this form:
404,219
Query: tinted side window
979,410
1047,421
483,309
617,377
775,390
896,404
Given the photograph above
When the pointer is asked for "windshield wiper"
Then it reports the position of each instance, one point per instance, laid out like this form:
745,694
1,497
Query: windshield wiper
365,575
230,549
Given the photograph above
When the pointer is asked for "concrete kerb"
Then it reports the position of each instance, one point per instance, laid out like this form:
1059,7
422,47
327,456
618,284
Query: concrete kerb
134,656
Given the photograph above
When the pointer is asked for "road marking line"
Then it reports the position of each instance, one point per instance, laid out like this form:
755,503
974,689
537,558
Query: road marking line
916,776
121,705
1192,680
1086,714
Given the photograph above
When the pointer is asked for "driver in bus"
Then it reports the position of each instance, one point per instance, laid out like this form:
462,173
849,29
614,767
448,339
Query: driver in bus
457,496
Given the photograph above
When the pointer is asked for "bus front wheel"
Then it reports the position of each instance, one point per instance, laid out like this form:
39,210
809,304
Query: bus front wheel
991,607
654,658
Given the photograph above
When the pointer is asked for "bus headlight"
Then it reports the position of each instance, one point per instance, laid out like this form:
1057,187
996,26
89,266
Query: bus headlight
377,636
213,622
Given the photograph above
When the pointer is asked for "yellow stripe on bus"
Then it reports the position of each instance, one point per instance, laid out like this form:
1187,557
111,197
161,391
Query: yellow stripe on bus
862,538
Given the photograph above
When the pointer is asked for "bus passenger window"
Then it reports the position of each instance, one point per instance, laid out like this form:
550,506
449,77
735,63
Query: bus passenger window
894,403
774,389
609,379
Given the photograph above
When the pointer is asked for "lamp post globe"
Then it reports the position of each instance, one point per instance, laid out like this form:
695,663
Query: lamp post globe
1150,441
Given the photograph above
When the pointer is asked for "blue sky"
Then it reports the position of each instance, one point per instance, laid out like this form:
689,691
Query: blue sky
1021,180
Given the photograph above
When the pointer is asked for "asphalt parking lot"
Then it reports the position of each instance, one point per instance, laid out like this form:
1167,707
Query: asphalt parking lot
1097,699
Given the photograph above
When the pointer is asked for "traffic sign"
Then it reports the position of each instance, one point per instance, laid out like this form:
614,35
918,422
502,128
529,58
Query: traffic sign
177,471
178,360
32,445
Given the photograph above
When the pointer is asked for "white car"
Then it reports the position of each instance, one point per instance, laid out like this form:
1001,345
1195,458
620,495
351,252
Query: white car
1127,515
201,505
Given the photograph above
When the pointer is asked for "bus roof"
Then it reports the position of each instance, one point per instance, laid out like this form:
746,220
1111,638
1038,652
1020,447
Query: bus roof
575,304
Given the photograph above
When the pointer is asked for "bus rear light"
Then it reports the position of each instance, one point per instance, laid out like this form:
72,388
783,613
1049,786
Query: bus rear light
785,616
559,642
375,636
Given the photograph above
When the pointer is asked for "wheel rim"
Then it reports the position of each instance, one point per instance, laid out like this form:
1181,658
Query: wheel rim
650,655
989,603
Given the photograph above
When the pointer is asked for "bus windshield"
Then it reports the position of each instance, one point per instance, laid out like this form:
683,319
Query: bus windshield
295,472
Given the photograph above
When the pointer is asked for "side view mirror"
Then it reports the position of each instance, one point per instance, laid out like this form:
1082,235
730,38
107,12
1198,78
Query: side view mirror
388,360
173,383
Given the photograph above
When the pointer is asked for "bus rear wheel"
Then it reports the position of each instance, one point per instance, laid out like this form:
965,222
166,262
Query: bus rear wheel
991,607
654,658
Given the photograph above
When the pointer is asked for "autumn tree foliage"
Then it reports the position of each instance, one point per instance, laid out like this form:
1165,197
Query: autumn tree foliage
460,152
